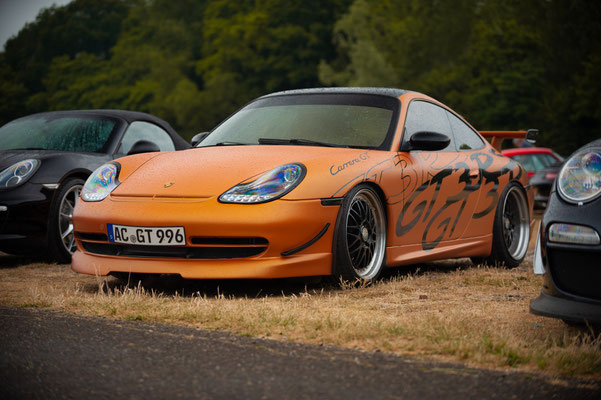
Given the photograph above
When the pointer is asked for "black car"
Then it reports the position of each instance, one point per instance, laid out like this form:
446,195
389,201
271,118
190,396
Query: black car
543,181
568,250
45,160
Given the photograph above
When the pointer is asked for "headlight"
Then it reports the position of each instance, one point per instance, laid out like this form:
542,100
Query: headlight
101,183
580,178
18,173
269,186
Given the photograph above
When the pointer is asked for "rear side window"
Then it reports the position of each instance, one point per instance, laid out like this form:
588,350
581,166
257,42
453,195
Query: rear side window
424,116
140,130
465,137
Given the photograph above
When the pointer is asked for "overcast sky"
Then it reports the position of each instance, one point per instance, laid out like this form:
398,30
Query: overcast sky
14,14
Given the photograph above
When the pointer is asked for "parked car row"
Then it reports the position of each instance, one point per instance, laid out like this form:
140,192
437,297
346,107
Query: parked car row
542,165
341,182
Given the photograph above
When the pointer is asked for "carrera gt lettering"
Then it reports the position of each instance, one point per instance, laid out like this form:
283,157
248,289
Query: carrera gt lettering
336,169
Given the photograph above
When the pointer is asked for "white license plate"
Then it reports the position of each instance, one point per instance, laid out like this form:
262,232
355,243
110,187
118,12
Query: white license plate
147,235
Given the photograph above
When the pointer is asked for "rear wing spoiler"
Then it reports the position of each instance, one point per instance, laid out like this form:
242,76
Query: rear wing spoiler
497,137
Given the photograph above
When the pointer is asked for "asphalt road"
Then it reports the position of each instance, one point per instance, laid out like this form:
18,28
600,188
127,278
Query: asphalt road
47,354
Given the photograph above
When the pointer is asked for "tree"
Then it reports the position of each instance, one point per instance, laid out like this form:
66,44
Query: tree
80,26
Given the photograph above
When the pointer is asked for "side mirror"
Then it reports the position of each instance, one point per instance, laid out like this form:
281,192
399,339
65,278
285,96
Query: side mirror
143,146
531,135
198,138
428,141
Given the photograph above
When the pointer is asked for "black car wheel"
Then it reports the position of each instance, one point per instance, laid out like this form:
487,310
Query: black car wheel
360,239
61,240
511,229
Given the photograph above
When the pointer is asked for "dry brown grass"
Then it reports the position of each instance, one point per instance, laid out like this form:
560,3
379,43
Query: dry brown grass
450,310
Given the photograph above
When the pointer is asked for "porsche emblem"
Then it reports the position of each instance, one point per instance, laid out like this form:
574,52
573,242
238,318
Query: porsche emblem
168,184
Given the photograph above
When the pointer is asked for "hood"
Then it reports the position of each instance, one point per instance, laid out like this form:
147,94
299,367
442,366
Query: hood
210,171
54,163
10,157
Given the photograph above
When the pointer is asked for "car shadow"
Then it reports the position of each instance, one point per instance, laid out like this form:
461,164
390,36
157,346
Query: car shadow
171,285
11,261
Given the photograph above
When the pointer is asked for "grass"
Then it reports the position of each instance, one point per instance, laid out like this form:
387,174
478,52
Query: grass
449,310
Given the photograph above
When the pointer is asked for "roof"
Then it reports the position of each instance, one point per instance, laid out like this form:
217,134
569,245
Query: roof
389,92
128,116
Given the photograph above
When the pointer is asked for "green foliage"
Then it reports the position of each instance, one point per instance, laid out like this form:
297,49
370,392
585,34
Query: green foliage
502,65
253,48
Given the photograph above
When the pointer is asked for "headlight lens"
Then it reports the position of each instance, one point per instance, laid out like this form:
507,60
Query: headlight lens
269,186
18,173
101,183
580,178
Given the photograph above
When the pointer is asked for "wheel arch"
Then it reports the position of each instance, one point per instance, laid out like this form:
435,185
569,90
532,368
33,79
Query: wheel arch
76,173
379,192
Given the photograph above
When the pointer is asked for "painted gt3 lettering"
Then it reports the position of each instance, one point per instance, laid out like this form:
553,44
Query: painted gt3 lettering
416,211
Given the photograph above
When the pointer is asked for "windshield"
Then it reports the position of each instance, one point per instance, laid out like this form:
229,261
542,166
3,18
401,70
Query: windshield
345,120
67,133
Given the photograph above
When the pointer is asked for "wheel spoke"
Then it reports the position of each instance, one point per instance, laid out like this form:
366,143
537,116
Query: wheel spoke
67,232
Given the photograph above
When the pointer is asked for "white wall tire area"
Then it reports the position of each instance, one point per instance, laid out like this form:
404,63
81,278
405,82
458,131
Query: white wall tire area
360,237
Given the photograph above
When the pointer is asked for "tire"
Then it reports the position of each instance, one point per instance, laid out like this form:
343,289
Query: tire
61,240
511,229
360,237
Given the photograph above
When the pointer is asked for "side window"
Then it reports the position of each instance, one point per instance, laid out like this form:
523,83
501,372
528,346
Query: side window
465,137
140,130
424,116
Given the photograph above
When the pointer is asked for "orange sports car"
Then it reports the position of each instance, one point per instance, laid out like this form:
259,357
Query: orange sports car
338,181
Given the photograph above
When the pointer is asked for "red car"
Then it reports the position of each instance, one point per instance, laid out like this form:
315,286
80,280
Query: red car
542,165
533,159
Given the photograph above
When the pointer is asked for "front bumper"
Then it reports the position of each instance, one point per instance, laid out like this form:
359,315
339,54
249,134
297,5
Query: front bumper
211,228
571,272
566,309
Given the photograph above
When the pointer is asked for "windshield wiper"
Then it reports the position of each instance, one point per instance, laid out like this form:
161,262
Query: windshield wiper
301,142
230,144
